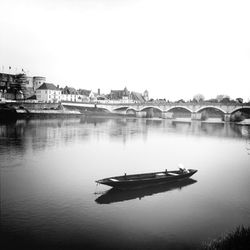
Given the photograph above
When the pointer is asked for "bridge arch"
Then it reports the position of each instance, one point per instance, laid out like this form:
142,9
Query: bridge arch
121,108
151,111
210,107
211,113
151,107
240,114
179,112
240,108
179,107
131,111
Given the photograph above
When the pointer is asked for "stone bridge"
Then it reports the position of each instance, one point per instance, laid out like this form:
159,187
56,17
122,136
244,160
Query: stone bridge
166,110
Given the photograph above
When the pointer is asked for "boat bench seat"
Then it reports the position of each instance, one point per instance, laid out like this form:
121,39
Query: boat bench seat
174,174
113,179
160,174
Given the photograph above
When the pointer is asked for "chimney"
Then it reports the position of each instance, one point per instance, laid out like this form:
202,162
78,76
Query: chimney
99,91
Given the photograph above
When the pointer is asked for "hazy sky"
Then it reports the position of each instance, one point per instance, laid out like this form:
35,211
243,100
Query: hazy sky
174,49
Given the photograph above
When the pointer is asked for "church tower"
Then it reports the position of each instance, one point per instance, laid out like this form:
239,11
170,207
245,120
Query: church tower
145,95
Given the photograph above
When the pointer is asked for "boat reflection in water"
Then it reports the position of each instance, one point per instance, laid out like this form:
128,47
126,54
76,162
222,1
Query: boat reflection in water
116,195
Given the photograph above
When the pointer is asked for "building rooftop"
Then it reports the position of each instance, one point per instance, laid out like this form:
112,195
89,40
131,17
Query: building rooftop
39,77
137,97
84,92
69,90
50,86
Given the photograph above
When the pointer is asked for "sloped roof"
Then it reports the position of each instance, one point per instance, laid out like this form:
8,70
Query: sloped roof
69,90
117,91
49,86
137,97
84,92
123,92
33,97
118,94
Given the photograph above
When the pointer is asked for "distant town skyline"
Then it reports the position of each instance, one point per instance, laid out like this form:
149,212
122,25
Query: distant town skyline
173,49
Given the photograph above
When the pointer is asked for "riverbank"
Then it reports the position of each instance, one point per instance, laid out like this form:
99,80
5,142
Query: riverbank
245,122
8,112
238,239
22,113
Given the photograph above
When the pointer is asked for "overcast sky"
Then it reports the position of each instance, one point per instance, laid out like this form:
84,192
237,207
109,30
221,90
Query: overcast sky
174,49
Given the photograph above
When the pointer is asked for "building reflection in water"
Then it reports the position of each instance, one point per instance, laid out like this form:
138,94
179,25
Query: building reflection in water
116,195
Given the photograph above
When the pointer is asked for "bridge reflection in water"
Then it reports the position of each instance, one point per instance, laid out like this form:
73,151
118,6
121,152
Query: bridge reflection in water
115,195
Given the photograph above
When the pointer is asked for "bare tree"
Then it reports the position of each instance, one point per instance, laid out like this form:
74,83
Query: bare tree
198,98
221,97
239,100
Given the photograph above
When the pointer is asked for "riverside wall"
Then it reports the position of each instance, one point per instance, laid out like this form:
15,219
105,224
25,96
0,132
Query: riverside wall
33,106
20,110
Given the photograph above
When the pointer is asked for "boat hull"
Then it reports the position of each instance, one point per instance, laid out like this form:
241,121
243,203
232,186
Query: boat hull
128,183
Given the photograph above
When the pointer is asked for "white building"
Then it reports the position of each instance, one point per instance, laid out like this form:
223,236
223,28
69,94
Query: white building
70,94
48,92
74,98
81,95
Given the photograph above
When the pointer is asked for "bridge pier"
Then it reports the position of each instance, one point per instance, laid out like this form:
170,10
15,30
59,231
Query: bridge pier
227,117
149,113
167,115
196,116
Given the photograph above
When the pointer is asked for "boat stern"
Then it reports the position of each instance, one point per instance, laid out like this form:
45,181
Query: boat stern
191,172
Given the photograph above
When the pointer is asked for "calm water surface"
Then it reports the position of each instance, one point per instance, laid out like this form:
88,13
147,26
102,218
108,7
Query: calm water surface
49,198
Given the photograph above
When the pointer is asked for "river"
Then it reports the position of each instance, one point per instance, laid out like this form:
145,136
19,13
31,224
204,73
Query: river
49,198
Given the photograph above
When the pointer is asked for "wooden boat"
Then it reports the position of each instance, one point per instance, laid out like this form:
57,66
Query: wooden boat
146,179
